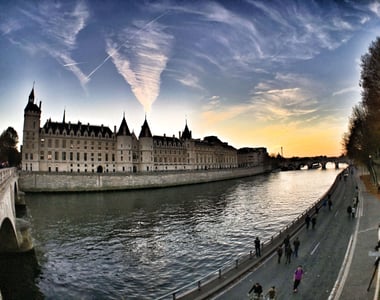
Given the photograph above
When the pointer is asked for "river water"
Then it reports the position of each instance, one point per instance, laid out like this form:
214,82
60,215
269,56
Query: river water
143,244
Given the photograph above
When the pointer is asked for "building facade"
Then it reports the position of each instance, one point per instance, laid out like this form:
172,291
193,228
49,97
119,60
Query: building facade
76,147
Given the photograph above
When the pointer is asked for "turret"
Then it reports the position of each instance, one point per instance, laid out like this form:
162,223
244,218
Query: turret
31,130
125,150
146,148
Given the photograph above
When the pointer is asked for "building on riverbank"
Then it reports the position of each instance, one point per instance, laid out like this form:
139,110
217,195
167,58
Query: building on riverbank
84,148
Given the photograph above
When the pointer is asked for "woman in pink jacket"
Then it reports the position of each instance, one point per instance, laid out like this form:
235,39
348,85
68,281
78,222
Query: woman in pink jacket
297,277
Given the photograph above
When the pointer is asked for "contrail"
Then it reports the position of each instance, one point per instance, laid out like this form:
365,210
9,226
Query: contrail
109,56
73,64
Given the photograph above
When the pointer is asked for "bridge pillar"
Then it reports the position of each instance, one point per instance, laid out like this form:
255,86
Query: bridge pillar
337,165
323,165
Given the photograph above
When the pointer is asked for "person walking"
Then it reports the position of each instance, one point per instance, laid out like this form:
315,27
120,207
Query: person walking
257,247
313,221
307,221
288,254
330,203
296,244
349,211
279,254
271,294
353,211
287,241
297,278
257,290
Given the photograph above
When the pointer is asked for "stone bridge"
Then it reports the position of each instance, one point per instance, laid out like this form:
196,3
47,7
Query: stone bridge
14,232
296,163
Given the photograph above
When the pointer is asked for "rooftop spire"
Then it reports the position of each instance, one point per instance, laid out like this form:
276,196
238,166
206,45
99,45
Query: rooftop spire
31,95
64,116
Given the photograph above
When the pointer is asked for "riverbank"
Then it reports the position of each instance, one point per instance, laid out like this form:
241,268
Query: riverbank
334,256
32,182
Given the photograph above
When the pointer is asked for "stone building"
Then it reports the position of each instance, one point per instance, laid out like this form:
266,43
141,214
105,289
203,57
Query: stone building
251,157
76,147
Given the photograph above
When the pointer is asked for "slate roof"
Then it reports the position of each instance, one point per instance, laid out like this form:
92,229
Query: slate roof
186,133
167,139
145,130
30,105
78,127
123,129
213,141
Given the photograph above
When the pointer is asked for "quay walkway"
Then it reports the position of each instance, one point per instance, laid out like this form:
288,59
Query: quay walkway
334,256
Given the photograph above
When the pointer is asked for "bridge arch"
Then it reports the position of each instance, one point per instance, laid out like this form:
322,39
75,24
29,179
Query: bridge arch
8,236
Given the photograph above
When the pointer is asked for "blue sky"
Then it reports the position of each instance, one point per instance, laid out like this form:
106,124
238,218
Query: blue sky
255,73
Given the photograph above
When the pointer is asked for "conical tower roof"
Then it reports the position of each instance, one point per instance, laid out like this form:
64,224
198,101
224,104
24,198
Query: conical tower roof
145,130
123,129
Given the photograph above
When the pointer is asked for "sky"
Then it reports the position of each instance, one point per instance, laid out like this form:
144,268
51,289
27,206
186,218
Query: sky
277,74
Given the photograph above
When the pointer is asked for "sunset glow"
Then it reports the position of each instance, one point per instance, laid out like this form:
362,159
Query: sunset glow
254,73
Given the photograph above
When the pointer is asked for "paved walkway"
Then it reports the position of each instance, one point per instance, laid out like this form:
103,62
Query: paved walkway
334,255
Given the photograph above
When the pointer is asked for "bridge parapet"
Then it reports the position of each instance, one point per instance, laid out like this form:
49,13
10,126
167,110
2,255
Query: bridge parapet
6,173
14,235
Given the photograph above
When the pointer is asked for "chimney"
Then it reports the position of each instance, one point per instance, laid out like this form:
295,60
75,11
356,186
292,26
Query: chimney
40,105
114,129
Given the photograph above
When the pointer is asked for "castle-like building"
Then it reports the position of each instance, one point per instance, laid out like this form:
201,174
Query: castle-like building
76,147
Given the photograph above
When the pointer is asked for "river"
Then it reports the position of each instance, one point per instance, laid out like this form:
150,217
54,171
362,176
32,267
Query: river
143,244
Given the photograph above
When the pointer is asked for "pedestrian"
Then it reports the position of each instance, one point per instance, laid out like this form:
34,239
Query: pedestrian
297,278
257,247
307,221
330,203
271,294
353,212
257,290
288,254
313,221
279,254
287,241
357,201
349,211
296,244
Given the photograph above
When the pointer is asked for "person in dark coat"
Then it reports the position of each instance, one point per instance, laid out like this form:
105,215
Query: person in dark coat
257,290
257,247
313,221
307,221
287,241
349,211
288,254
279,254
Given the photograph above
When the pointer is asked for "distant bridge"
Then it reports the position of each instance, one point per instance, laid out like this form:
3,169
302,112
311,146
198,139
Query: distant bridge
296,163
14,233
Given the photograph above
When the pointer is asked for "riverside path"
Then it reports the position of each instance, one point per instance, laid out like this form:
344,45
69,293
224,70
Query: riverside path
334,255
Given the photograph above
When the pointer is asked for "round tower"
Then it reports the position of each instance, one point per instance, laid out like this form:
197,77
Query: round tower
146,149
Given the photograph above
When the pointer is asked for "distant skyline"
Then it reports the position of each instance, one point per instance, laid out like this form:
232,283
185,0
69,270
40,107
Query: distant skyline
254,73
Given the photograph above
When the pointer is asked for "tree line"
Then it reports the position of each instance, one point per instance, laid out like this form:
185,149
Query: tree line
9,154
362,141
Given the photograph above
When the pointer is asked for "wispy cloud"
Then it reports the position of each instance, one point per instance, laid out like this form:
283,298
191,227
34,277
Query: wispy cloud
346,90
55,29
142,60
375,8
190,80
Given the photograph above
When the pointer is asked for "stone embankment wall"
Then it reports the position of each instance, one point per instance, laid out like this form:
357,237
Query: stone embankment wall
85,182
